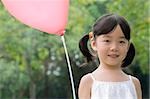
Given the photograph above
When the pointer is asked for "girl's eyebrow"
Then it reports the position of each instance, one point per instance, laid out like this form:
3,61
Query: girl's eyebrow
108,36
122,37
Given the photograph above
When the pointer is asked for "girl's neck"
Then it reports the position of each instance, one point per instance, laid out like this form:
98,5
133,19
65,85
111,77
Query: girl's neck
109,68
110,73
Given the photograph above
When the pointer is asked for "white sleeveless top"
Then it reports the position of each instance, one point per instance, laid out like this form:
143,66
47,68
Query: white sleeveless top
113,90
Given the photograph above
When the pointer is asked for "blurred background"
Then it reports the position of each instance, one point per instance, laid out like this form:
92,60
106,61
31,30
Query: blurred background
33,64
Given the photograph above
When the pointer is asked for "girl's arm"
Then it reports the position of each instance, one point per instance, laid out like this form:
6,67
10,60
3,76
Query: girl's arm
137,87
84,91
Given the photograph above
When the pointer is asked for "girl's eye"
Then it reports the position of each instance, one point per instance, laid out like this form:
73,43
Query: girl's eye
122,42
106,40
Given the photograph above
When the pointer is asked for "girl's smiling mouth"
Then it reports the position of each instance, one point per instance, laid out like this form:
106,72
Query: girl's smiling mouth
113,55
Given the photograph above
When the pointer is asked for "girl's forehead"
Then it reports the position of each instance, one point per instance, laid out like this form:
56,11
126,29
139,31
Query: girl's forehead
117,32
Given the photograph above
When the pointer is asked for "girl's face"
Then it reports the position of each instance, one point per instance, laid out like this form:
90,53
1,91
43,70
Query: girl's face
111,48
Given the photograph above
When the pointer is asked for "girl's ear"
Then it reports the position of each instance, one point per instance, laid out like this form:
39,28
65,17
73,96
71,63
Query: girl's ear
92,41
93,45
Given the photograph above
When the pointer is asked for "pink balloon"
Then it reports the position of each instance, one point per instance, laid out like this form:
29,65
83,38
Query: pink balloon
45,15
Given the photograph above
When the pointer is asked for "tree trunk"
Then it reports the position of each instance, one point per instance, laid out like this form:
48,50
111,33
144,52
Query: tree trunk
46,82
32,90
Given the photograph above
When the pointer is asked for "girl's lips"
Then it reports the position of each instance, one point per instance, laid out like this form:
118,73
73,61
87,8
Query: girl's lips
113,55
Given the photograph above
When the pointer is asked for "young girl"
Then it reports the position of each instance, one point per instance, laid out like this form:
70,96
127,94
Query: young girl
110,39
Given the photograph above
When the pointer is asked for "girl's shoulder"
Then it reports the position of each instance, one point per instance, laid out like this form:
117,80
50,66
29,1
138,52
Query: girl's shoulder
87,79
135,81
85,86
137,87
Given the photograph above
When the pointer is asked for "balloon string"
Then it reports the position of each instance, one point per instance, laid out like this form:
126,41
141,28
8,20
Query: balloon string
69,67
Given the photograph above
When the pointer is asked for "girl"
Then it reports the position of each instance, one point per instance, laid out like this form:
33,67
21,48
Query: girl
110,39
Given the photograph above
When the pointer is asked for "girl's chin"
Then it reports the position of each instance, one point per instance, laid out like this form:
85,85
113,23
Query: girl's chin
113,63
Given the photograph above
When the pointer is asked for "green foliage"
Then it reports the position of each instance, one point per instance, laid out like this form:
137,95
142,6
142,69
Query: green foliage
29,57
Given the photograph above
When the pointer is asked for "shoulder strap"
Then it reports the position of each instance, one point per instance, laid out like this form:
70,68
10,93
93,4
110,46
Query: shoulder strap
133,85
130,77
92,76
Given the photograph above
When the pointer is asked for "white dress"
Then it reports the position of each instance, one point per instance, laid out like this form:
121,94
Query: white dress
113,90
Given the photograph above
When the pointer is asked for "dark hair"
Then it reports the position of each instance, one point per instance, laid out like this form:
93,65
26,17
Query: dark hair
105,25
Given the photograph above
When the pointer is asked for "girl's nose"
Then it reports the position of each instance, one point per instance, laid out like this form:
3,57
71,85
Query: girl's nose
114,47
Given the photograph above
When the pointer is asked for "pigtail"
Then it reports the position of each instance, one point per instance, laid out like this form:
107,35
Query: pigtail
130,56
83,45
